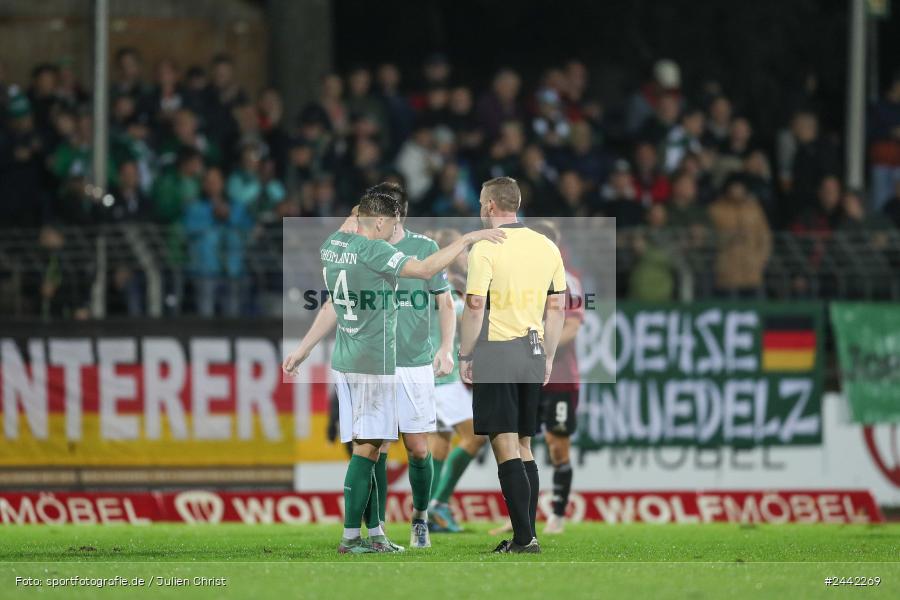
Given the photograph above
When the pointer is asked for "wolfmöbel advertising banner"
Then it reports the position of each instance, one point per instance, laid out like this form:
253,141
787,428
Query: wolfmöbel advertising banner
255,508
723,374
867,336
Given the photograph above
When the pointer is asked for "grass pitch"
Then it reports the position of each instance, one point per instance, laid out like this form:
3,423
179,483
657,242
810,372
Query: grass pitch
588,561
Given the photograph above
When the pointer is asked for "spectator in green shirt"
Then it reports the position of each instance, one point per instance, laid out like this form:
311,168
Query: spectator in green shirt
178,187
73,157
653,276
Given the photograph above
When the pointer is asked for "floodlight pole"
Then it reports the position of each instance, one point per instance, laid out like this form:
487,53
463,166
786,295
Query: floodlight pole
100,147
856,94
101,90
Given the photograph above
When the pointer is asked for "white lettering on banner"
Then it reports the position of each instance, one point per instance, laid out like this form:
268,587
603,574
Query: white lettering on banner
207,387
320,515
830,507
763,429
253,510
203,507
737,406
748,512
680,514
710,507
611,354
165,406
481,508
658,341
81,511
681,342
72,355
131,514
647,340
256,391
804,508
794,424
709,410
112,352
856,516
774,509
18,385
684,377
695,409
303,382
110,511
24,516
713,362
615,509
654,510
162,391
769,508
678,409
739,328
50,511
301,391
293,510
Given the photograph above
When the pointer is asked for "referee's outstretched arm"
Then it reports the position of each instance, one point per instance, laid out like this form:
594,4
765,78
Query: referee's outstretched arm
553,326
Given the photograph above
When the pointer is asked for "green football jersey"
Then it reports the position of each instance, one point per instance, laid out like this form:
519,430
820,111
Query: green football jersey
417,307
458,306
361,278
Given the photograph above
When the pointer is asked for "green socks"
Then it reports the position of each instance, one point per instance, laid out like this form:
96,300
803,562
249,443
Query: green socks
381,482
455,466
373,505
377,505
371,515
421,473
357,488
436,477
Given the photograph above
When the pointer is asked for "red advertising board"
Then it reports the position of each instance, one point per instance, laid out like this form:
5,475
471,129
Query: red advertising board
656,507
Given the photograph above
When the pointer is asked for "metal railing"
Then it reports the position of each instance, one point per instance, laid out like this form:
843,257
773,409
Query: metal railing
152,267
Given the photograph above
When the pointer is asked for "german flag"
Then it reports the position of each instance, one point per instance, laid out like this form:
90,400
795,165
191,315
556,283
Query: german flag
788,343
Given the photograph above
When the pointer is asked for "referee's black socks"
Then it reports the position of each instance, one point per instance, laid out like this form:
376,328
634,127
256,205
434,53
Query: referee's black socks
517,493
534,482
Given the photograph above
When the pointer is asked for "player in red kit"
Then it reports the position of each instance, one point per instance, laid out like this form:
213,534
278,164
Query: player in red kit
559,398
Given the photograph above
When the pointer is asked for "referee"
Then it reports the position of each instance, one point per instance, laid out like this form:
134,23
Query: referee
507,346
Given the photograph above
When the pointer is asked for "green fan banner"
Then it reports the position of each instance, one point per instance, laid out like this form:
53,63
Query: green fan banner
737,374
868,350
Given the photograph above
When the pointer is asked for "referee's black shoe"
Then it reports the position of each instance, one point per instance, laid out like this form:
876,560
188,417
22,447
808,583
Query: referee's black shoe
511,547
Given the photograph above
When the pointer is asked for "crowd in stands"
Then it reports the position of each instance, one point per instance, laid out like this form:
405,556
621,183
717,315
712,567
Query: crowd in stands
190,146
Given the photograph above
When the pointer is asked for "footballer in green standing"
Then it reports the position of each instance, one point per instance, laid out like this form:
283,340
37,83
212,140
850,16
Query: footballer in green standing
453,403
361,272
423,304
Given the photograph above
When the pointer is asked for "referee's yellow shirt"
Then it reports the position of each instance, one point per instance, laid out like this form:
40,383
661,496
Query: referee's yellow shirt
516,277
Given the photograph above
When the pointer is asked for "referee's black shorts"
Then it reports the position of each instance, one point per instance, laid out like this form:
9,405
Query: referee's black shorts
506,390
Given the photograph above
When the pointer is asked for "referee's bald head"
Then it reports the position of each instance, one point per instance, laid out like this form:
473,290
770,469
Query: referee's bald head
500,196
